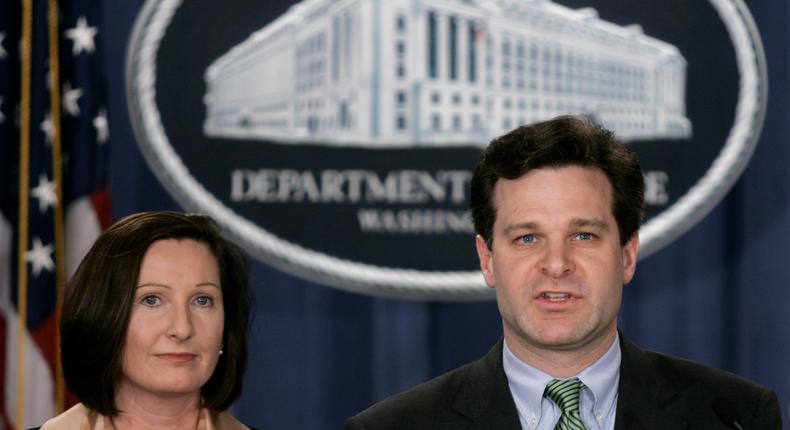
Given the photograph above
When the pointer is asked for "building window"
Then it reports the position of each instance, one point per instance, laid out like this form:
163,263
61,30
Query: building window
312,124
348,34
489,61
335,48
533,67
436,122
400,50
453,47
400,98
400,121
520,64
476,124
310,67
472,54
400,23
456,99
457,122
432,41
344,117
436,98
506,63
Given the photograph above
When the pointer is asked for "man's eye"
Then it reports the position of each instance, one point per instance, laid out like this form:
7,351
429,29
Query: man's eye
527,238
584,236
150,300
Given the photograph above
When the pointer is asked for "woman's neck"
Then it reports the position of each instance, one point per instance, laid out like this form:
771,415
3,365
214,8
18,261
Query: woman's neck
140,409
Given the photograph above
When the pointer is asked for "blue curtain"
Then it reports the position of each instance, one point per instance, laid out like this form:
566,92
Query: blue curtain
719,295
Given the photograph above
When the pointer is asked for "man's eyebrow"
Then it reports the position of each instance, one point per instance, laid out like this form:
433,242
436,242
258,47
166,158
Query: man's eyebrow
585,222
521,226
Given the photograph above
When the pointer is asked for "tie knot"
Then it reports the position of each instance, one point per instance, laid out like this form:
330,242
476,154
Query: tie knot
565,393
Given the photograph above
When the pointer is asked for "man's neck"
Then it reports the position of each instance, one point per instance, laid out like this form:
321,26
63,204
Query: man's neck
560,363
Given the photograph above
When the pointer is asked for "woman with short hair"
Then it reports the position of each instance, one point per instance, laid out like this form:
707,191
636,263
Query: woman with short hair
154,327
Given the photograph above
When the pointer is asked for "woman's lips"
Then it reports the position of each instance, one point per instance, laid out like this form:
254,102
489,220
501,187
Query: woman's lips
177,357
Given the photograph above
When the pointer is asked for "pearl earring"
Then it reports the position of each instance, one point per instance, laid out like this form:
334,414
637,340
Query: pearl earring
221,352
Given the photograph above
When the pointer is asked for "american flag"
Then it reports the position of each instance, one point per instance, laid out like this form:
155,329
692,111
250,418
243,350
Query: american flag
54,200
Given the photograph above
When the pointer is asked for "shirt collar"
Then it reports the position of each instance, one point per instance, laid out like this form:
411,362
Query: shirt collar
603,377
527,383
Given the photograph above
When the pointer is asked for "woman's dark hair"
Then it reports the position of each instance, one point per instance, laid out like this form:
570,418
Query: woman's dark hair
99,299
559,142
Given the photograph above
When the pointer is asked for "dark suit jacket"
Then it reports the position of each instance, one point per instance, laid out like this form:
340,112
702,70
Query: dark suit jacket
656,392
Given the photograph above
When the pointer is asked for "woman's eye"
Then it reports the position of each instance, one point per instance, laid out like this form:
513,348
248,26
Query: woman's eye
151,300
204,301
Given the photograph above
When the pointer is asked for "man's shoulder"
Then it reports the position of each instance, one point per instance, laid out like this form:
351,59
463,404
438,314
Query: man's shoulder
415,406
662,391
656,386
476,391
687,373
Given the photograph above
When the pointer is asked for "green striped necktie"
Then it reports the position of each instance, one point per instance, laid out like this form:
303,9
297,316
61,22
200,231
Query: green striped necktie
565,393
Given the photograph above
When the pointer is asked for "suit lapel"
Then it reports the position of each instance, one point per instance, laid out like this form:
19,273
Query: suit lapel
643,393
484,397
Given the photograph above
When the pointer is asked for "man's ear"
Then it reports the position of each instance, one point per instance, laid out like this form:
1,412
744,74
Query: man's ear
630,252
486,260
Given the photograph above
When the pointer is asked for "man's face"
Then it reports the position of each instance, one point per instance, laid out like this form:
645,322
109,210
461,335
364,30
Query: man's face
556,260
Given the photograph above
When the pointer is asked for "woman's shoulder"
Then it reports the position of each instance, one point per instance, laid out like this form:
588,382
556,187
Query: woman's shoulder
225,421
74,418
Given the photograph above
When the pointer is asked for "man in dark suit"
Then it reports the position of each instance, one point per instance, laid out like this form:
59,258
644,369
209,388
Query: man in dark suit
556,207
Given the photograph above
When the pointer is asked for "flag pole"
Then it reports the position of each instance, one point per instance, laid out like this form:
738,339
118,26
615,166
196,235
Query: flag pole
24,179
57,177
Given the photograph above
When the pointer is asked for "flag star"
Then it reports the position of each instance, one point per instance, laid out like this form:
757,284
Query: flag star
48,127
70,98
82,35
101,126
3,53
2,117
40,257
45,193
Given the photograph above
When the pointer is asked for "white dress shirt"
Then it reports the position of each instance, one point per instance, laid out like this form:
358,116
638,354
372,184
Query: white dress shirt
597,401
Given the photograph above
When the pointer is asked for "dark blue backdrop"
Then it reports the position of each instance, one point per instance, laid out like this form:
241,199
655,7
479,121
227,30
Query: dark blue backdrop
719,295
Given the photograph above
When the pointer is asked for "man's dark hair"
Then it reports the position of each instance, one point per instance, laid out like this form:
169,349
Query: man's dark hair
99,299
559,142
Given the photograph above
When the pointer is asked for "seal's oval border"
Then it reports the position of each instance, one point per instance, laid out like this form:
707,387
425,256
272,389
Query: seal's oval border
344,274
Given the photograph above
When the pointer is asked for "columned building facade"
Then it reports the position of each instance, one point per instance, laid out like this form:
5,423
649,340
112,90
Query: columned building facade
383,73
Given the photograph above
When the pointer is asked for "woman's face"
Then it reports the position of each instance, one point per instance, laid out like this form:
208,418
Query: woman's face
175,330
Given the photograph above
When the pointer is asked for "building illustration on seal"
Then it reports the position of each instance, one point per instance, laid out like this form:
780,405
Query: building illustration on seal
435,73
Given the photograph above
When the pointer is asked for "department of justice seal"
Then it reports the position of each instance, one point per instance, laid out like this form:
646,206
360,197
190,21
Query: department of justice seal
335,139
